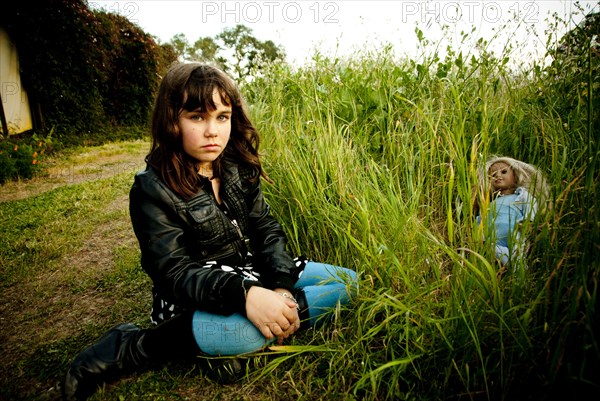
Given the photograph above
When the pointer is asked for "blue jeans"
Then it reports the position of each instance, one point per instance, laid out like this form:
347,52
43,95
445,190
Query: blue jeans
324,286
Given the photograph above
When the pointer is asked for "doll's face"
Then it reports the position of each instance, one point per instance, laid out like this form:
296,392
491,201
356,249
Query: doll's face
502,178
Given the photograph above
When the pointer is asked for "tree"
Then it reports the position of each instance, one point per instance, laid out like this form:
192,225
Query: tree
235,49
85,71
180,44
205,49
248,52
575,73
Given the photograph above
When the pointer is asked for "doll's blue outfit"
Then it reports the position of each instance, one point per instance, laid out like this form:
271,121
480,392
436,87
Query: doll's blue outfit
504,217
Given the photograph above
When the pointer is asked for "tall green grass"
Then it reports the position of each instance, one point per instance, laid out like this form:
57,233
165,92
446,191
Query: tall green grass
374,161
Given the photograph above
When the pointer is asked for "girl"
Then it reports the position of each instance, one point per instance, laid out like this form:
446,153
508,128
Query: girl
223,283
513,184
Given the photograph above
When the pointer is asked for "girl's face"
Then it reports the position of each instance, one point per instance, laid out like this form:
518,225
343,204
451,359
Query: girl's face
205,133
502,178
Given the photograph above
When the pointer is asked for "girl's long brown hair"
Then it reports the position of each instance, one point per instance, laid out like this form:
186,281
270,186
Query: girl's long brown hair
190,86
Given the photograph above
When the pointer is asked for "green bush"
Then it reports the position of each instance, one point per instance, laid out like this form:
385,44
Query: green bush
22,158
87,73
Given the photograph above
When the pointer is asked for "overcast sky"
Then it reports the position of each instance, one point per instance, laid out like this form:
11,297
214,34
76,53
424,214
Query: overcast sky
338,28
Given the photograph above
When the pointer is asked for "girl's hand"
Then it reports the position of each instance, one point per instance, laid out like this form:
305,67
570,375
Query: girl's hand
273,314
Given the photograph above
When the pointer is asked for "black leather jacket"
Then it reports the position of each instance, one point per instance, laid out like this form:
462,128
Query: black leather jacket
177,236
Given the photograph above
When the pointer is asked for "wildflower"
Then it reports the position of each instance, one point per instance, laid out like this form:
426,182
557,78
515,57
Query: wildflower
16,148
34,155
34,161
40,144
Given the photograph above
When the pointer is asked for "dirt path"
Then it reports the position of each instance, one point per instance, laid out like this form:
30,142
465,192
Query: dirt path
91,164
41,297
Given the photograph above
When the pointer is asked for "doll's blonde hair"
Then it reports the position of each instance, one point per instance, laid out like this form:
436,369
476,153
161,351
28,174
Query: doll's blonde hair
526,175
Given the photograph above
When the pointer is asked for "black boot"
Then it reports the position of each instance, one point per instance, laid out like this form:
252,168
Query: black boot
117,353
227,370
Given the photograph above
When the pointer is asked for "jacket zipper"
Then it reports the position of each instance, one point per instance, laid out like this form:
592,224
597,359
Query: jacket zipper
239,231
233,221
237,227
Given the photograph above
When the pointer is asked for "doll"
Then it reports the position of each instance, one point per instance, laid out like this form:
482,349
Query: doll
516,190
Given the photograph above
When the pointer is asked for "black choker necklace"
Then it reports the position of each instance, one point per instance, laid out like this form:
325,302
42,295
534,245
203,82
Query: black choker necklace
205,177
